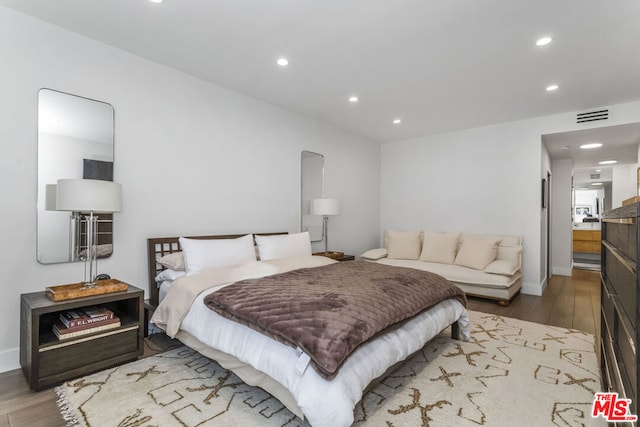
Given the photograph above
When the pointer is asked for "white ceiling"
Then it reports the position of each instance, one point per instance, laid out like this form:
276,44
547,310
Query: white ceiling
438,65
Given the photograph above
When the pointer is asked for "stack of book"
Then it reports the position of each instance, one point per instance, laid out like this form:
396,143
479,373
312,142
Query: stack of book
87,320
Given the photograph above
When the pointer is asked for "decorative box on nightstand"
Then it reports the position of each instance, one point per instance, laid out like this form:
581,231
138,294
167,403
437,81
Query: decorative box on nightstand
47,361
338,256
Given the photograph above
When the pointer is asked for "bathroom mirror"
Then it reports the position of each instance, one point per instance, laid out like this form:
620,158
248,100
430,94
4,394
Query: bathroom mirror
75,140
312,174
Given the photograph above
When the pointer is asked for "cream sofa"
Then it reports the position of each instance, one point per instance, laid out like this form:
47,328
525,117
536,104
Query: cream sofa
484,265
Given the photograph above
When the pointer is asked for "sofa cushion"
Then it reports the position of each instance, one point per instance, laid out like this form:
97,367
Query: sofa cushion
457,273
439,247
503,267
477,253
404,244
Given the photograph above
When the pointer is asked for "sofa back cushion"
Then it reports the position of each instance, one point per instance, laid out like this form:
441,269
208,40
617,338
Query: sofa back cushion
477,253
439,247
403,244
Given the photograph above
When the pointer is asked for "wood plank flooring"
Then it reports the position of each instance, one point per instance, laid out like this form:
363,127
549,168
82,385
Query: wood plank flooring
569,302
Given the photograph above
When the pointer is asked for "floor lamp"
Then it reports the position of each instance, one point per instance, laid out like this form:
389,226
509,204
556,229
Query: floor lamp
90,196
326,208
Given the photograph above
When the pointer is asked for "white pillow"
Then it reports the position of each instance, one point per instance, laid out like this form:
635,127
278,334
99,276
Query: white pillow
404,244
283,246
477,253
439,247
173,261
205,254
169,275
503,267
375,254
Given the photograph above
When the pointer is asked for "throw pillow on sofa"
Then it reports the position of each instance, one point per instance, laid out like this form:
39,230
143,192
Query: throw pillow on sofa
439,247
502,267
404,244
375,254
477,253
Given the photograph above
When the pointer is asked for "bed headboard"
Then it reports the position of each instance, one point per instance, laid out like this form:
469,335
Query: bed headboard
157,247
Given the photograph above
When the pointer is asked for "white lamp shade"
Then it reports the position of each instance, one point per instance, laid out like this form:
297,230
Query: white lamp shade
88,195
325,207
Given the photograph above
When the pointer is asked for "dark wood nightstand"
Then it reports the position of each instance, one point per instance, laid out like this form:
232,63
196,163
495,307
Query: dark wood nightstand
345,257
47,361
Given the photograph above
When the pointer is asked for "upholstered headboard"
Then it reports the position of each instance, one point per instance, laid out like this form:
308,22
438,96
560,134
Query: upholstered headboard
157,247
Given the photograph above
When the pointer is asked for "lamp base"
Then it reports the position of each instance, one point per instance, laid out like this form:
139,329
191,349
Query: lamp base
88,285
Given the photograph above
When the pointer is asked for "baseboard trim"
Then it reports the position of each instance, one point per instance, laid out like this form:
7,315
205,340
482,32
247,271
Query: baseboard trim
9,360
533,289
561,271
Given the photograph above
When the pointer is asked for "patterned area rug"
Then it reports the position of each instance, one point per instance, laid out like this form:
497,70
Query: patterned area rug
511,373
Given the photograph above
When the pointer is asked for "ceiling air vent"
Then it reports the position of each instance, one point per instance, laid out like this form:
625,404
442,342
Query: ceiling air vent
595,176
592,116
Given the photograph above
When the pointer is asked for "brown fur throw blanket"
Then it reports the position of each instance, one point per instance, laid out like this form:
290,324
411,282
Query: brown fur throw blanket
329,311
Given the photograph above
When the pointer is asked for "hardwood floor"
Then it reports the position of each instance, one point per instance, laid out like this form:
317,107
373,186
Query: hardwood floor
569,302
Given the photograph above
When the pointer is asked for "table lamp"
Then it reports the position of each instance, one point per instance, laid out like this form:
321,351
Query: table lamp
92,196
326,208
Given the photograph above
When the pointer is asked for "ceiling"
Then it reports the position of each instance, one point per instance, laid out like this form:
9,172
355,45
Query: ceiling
438,65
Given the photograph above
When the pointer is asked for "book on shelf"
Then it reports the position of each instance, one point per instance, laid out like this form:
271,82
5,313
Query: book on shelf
63,332
85,316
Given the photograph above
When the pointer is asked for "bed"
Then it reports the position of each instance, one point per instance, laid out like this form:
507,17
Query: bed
278,368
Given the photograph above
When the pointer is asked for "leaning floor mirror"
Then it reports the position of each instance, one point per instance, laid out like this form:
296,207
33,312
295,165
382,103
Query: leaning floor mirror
75,141
312,187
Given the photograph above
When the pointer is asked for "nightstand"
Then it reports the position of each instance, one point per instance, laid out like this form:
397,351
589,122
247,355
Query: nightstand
345,257
47,361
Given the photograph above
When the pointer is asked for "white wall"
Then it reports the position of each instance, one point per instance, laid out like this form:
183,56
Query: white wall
483,180
624,183
192,157
561,225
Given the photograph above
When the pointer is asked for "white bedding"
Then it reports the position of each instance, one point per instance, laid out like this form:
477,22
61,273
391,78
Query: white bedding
324,403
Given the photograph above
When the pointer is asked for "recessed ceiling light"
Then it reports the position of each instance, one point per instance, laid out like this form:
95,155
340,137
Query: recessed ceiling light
592,145
564,147
598,170
551,88
543,41
397,121
596,183
607,162
155,1
283,62
353,99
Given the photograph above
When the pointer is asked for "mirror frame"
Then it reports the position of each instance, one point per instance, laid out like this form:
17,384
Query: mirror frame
54,228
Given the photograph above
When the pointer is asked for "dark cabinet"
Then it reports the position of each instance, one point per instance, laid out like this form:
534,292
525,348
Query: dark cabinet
619,302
